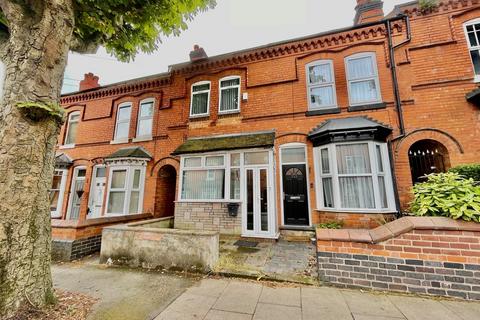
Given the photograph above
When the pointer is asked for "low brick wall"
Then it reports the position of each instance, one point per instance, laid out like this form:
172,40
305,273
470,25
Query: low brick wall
435,256
207,216
67,250
356,220
151,245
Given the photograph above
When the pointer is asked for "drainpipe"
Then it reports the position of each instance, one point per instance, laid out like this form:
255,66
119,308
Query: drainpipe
398,100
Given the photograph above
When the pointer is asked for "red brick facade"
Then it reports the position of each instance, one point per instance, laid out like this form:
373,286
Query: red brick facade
434,72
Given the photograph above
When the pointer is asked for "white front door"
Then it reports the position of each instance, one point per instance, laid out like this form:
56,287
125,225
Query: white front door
97,192
258,209
76,192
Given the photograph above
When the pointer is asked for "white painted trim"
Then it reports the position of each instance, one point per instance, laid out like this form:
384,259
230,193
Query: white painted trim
66,146
200,115
220,89
63,183
288,146
137,136
72,186
320,85
115,138
375,77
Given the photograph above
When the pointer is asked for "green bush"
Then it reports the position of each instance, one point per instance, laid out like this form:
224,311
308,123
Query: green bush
468,171
426,5
331,225
448,195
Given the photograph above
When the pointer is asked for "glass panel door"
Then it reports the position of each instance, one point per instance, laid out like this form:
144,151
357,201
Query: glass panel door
250,200
257,213
263,199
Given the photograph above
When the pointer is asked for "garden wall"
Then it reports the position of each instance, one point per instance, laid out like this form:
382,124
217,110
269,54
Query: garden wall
153,244
434,256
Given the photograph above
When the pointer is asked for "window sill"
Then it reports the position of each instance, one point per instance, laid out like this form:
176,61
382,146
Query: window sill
119,141
200,117
320,112
365,211
66,146
226,113
209,201
141,139
363,107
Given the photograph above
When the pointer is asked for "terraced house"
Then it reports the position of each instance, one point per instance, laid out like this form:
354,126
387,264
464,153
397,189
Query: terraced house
333,126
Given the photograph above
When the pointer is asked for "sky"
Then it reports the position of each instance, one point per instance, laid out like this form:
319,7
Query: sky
232,25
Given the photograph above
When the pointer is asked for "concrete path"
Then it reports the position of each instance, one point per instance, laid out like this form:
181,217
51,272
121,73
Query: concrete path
213,299
121,293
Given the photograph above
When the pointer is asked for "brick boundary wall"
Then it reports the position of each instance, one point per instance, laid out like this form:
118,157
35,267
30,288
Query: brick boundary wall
207,216
67,250
433,256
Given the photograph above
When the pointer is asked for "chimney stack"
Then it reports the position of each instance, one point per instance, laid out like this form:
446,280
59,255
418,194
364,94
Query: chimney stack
90,81
368,11
198,54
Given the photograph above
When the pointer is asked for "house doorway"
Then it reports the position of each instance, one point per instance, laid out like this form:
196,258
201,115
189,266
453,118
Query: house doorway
165,191
426,157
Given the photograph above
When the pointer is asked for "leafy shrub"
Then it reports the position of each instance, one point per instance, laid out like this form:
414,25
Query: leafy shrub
331,225
468,171
449,195
426,5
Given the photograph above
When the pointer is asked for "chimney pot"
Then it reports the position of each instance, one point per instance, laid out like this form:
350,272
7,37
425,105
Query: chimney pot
90,81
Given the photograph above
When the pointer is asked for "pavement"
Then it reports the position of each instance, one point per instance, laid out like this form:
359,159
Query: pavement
228,299
122,293
279,260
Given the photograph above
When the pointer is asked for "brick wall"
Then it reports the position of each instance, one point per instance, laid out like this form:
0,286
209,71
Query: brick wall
421,255
67,250
356,220
207,216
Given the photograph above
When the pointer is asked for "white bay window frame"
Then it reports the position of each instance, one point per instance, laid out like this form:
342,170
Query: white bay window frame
231,87
376,172
351,79
127,188
326,84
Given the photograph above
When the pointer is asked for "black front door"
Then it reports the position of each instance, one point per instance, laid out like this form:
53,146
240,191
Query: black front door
295,199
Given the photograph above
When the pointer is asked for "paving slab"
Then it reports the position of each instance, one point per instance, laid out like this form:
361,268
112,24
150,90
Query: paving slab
225,315
241,297
208,287
188,307
369,304
370,317
464,310
281,296
422,309
266,311
325,304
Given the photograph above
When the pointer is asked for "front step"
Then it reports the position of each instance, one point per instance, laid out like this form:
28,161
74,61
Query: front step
297,235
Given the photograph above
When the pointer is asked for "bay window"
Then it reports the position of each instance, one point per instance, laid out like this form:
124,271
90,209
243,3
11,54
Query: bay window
200,99
145,119
472,32
362,78
125,190
203,178
354,176
122,126
229,95
321,85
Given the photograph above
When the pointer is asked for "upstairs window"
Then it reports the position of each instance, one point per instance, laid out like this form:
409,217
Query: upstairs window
145,118
229,95
472,31
72,125
122,126
362,76
200,99
321,85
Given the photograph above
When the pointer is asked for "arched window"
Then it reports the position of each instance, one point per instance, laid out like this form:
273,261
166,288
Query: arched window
321,85
72,125
145,118
200,99
122,126
362,78
229,95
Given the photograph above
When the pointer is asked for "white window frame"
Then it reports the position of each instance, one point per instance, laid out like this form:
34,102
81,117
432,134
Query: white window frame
321,85
128,188
470,47
63,183
120,106
93,182
375,77
138,137
220,89
67,131
200,92
332,158
72,187
294,145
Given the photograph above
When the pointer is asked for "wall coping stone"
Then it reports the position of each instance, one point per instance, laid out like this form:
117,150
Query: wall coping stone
60,223
395,228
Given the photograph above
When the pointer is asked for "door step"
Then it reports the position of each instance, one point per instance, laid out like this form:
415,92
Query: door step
297,235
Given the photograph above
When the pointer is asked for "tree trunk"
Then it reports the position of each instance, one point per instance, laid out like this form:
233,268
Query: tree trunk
35,57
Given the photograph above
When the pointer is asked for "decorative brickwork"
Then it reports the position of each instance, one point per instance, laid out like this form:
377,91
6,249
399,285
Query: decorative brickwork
207,216
435,256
